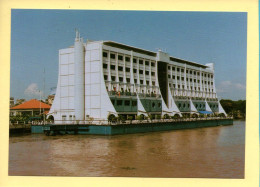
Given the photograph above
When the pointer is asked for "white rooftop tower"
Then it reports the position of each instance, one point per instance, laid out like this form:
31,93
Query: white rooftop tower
79,100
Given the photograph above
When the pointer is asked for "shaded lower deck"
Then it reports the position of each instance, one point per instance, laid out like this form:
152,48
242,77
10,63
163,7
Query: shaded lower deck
51,129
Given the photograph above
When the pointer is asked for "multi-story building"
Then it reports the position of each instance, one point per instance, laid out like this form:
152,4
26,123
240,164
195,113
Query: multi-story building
102,78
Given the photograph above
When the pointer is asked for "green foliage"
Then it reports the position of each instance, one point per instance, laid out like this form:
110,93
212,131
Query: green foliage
235,108
140,117
130,118
166,116
158,117
111,117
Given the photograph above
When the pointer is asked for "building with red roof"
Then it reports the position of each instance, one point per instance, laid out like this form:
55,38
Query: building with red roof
32,107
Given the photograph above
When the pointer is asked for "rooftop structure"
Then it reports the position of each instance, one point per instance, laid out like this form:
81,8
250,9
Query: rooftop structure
101,78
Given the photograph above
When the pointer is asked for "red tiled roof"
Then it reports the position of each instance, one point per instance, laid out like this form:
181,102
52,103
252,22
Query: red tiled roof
32,104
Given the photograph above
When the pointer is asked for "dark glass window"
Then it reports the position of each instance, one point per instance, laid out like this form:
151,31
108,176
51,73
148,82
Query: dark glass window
182,70
113,78
121,79
127,102
120,68
198,73
173,68
141,61
127,79
169,76
152,64
194,72
147,82
113,101
141,81
134,70
182,78
169,67
120,57
134,103
135,80
147,63
146,72
134,60
119,102
141,71
153,83
153,73
127,59
127,69
104,54
105,66
113,67
105,77
113,56
187,71
173,76
178,78
178,69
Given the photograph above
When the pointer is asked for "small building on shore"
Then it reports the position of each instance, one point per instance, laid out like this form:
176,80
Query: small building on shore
32,107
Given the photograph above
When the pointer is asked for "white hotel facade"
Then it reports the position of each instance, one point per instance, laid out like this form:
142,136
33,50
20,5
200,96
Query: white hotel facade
101,78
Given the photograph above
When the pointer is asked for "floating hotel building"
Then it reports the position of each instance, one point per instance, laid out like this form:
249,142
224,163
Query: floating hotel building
102,78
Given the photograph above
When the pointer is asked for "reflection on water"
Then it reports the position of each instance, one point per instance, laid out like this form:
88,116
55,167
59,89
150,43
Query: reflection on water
215,152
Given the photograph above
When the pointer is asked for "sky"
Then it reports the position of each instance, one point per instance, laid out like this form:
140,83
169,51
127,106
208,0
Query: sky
202,37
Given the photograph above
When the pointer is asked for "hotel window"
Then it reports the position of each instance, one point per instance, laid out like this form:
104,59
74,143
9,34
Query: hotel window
173,68
127,102
183,86
190,80
169,76
120,57
113,78
147,63
146,72
159,105
63,117
208,75
211,83
184,105
195,88
141,61
198,88
104,54
179,86
120,68
198,81
205,82
135,81
134,103
205,75
113,56
152,64
113,67
127,69
127,59
105,77
105,66
191,72
198,73
169,67
179,105
182,78
141,81
153,73
173,77
127,79
187,71
147,82
178,78
182,70
178,69
194,80
211,76
153,83
173,85
208,83
191,87
141,71
134,60
194,72
134,70
119,102
121,79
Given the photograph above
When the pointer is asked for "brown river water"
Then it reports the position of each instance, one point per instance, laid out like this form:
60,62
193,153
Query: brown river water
214,152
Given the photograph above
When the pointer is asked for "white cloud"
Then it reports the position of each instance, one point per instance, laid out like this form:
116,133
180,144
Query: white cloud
33,91
228,89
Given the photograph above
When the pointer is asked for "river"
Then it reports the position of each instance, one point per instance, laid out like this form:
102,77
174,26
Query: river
214,152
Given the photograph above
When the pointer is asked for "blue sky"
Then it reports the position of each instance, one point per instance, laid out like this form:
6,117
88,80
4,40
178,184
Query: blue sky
202,37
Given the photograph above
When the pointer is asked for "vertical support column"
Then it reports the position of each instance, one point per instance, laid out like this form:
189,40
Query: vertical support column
79,99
